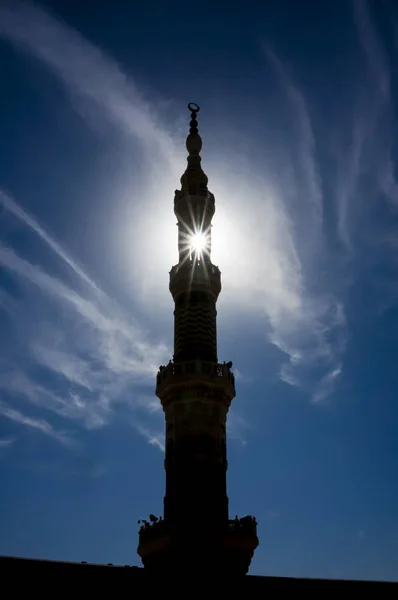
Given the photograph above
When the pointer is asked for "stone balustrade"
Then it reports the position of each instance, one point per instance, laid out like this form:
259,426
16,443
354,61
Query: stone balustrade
244,527
152,530
195,274
189,264
173,372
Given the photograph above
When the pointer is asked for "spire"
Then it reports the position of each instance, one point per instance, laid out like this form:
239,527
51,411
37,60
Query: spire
194,180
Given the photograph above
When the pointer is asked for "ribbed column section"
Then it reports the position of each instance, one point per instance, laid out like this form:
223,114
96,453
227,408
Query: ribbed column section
195,329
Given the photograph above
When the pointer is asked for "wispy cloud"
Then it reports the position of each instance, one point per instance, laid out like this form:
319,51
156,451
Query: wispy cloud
307,320
39,424
88,75
150,403
108,352
287,375
306,151
277,244
373,48
303,325
7,442
266,270
327,384
347,186
154,438
238,428
11,206
241,377
101,91
94,351
366,169
70,405
121,344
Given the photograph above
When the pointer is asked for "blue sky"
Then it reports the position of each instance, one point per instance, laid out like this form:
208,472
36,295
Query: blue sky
299,127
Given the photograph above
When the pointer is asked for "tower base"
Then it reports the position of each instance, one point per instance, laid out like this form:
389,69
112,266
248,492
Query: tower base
166,549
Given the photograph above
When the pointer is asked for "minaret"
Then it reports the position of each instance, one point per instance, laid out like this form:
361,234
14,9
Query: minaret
195,390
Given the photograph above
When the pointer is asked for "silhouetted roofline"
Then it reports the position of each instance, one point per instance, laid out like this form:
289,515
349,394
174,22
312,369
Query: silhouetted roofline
9,564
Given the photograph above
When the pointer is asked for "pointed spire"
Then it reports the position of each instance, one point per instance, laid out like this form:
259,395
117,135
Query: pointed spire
194,180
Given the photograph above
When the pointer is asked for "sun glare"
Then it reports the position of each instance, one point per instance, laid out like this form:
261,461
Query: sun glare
198,243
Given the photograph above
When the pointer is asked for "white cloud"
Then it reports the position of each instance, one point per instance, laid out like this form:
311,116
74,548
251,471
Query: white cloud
327,383
97,362
388,181
239,376
237,427
287,375
7,303
373,48
39,424
11,206
347,186
120,342
263,269
73,368
6,442
86,72
154,438
149,403
93,412
306,152
366,167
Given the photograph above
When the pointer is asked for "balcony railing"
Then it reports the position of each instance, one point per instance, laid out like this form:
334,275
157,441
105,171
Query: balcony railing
150,531
245,527
208,268
209,370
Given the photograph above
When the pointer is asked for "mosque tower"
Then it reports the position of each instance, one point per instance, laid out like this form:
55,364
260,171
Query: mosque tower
195,534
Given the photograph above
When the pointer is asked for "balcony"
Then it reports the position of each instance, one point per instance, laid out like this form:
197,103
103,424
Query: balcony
195,372
195,275
154,539
198,199
225,547
151,531
245,526
188,265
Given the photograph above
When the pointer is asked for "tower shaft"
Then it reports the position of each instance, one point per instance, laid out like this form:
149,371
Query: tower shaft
196,391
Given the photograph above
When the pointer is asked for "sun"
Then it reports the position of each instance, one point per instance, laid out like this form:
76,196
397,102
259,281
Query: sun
195,243
198,243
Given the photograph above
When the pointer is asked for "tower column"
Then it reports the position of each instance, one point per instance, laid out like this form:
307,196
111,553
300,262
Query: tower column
196,391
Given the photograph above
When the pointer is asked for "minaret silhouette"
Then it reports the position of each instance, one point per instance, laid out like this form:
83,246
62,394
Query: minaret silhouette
195,535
